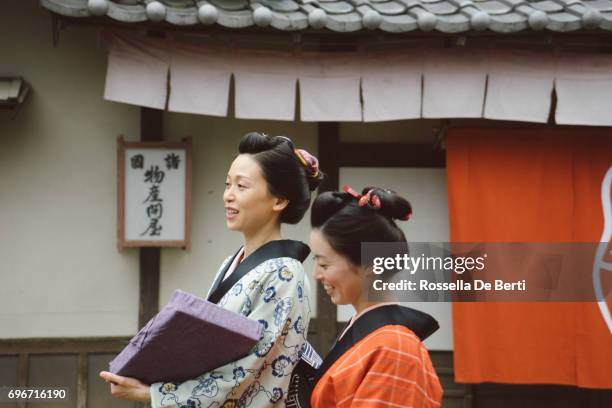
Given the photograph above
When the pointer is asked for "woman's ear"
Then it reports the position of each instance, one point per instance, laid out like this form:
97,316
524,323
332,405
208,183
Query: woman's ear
280,204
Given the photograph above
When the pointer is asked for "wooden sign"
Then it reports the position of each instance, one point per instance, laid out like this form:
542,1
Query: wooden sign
154,194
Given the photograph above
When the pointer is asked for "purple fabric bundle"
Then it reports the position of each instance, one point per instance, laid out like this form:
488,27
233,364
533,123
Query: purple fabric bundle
188,337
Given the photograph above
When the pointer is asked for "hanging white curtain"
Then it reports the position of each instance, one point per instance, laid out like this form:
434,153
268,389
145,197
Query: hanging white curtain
520,86
265,85
199,80
454,83
137,72
329,88
391,86
584,90
370,87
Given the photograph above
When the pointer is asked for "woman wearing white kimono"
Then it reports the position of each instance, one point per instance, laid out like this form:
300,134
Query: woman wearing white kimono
269,183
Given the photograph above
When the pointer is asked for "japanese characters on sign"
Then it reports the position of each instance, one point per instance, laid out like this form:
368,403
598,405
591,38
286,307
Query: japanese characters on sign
154,197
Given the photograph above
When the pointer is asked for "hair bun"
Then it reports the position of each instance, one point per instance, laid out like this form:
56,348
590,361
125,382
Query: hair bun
255,142
348,219
326,205
314,181
388,202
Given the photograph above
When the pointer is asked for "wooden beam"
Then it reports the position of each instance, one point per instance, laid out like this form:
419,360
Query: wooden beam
24,368
22,375
389,155
151,130
82,381
148,305
25,347
151,122
24,364
329,142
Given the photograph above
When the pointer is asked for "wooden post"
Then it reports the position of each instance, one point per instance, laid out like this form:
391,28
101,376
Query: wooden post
151,122
24,363
329,143
149,260
150,131
82,381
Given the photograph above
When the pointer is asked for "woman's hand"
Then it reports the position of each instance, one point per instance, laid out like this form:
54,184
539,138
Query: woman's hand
126,387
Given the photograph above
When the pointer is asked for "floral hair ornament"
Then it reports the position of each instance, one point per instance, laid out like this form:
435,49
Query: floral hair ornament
309,161
349,190
375,201
370,198
363,200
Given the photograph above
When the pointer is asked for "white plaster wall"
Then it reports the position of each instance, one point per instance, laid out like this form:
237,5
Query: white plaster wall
60,272
62,275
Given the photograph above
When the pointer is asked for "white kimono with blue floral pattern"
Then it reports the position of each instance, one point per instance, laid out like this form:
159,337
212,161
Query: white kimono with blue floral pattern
275,294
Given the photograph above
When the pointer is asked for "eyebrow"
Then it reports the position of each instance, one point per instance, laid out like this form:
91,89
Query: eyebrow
239,176
319,257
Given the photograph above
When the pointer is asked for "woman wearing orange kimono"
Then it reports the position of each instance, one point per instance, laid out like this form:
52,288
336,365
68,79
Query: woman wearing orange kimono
379,360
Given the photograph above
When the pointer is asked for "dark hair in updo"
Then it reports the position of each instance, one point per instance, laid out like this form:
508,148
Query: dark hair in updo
286,176
345,224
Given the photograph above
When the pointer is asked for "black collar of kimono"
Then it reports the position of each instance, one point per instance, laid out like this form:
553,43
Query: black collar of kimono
422,324
284,248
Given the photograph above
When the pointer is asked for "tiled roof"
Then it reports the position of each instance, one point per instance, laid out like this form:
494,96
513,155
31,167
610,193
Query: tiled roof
448,16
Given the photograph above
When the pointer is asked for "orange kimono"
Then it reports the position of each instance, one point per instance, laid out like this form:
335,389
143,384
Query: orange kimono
386,367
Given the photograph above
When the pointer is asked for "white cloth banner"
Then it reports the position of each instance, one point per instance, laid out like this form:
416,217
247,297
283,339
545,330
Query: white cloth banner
330,88
519,86
137,72
199,80
355,87
454,83
265,85
584,90
391,86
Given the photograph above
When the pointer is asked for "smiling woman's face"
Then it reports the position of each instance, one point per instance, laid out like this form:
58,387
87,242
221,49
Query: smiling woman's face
342,280
248,203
